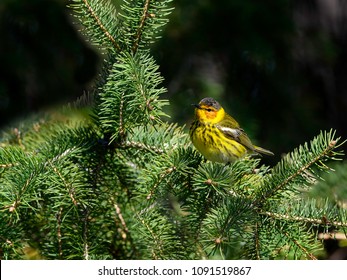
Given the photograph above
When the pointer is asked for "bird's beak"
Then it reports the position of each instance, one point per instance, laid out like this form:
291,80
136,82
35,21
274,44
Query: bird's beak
196,106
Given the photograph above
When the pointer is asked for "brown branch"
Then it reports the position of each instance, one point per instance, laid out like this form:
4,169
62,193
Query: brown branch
120,216
8,165
332,235
101,26
322,221
125,230
141,26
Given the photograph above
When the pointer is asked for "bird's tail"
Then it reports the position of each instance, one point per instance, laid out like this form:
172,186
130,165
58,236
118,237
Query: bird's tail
263,151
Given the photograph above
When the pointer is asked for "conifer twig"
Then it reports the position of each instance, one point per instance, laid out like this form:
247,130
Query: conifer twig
67,185
301,170
17,202
142,146
154,236
256,236
59,236
322,221
121,125
160,179
141,26
101,26
120,217
60,156
303,249
85,236
8,165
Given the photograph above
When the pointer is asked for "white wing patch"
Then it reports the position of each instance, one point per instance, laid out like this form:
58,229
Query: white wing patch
233,132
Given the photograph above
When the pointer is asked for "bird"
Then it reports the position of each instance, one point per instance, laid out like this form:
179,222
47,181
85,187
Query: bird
218,136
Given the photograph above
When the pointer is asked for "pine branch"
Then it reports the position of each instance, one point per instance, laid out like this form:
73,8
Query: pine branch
121,122
160,237
323,221
288,240
301,248
158,139
142,21
101,26
67,185
293,169
257,241
85,236
160,180
140,146
130,96
124,230
99,20
59,235
139,32
21,189
153,236
332,185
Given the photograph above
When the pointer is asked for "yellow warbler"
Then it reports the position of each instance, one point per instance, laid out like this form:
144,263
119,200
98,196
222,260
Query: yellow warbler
218,136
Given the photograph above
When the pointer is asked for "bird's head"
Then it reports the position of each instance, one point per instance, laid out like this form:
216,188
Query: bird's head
209,111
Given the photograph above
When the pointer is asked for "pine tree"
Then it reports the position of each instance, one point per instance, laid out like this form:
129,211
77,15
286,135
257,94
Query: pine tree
123,184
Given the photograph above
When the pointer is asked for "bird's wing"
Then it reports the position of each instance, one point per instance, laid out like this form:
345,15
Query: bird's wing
230,128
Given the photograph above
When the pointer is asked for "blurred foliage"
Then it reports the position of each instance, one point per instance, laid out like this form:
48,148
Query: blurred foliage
43,59
333,186
277,66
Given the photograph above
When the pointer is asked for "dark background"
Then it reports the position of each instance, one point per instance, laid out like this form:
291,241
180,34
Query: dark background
278,66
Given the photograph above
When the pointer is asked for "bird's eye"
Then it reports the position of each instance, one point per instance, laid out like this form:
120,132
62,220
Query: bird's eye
208,110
